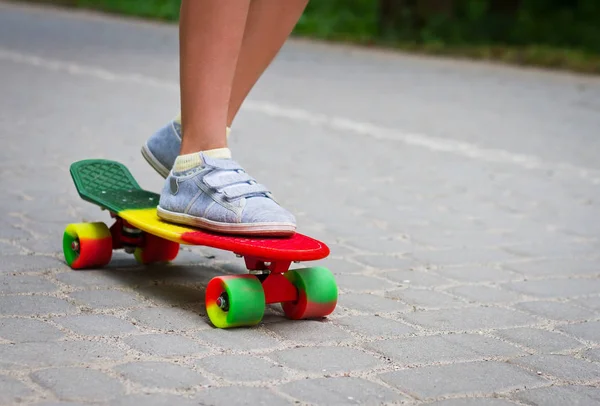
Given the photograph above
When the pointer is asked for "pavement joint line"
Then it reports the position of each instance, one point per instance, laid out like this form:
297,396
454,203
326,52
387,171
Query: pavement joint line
342,124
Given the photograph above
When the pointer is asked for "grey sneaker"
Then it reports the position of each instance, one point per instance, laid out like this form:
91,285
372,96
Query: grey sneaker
162,148
218,195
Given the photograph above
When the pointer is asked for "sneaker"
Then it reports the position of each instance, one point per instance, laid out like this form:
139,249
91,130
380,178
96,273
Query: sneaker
162,148
218,195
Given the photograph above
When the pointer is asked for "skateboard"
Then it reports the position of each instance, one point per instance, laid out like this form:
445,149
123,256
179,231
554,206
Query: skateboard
231,301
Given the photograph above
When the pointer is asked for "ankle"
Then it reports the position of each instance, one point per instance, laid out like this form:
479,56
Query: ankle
185,162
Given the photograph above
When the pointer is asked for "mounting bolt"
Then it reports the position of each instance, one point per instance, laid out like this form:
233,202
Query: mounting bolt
75,246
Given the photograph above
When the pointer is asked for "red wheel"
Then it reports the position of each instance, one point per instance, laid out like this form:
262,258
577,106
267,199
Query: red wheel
87,245
156,249
317,293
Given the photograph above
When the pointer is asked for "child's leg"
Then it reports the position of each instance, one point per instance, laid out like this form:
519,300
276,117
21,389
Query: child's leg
210,38
268,25
205,187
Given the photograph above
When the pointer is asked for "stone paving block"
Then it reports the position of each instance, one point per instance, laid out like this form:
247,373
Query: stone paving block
463,257
154,399
557,267
43,245
361,283
240,395
309,331
79,383
556,310
61,403
366,302
464,379
341,266
340,251
168,318
539,340
12,391
10,283
9,249
97,278
28,330
459,238
589,331
446,348
105,298
29,263
485,294
470,318
340,391
95,324
242,368
171,295
561,366
325,360
416,278
375,326
424,298
473,402
34,305
590,303
381,245
58,353
238,339
592,354
558,248
560,288
9,231
382,262
560,396
165,345
161,375
477,274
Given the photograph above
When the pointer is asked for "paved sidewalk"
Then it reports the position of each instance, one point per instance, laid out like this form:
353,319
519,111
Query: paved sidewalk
460,201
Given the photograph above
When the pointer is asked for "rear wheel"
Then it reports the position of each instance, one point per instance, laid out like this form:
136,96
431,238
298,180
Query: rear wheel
155,250
317,293
87,245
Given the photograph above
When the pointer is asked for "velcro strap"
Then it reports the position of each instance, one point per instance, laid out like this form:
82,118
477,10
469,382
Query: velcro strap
220,179
226,164
244,189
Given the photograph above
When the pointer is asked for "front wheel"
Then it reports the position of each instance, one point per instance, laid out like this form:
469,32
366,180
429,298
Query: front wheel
317,293
87,245
235,301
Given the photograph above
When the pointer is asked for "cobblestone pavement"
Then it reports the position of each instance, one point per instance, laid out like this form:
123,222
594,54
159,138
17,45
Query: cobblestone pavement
460,201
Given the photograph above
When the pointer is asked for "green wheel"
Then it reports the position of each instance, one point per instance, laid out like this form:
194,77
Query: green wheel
235,301
317,293
87,245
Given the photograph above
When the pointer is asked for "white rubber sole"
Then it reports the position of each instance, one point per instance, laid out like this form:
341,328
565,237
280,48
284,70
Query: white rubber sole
154,163
253,229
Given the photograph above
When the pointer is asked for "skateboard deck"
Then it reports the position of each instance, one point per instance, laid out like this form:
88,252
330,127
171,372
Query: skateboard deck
231,301
111,185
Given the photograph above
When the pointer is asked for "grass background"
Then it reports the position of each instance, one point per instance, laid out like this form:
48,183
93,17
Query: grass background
560,34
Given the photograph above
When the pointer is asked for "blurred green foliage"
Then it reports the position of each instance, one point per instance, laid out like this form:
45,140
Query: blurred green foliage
558,33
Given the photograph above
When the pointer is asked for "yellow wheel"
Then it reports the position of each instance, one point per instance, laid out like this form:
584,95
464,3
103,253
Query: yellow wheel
87,245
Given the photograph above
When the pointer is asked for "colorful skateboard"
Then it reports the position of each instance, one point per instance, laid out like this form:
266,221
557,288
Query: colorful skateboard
231,301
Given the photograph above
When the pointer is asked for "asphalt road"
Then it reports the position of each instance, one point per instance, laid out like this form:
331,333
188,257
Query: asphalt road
460,201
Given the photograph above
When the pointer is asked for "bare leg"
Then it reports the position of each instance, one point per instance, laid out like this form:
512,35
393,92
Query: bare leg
211,33
211,37
269,24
